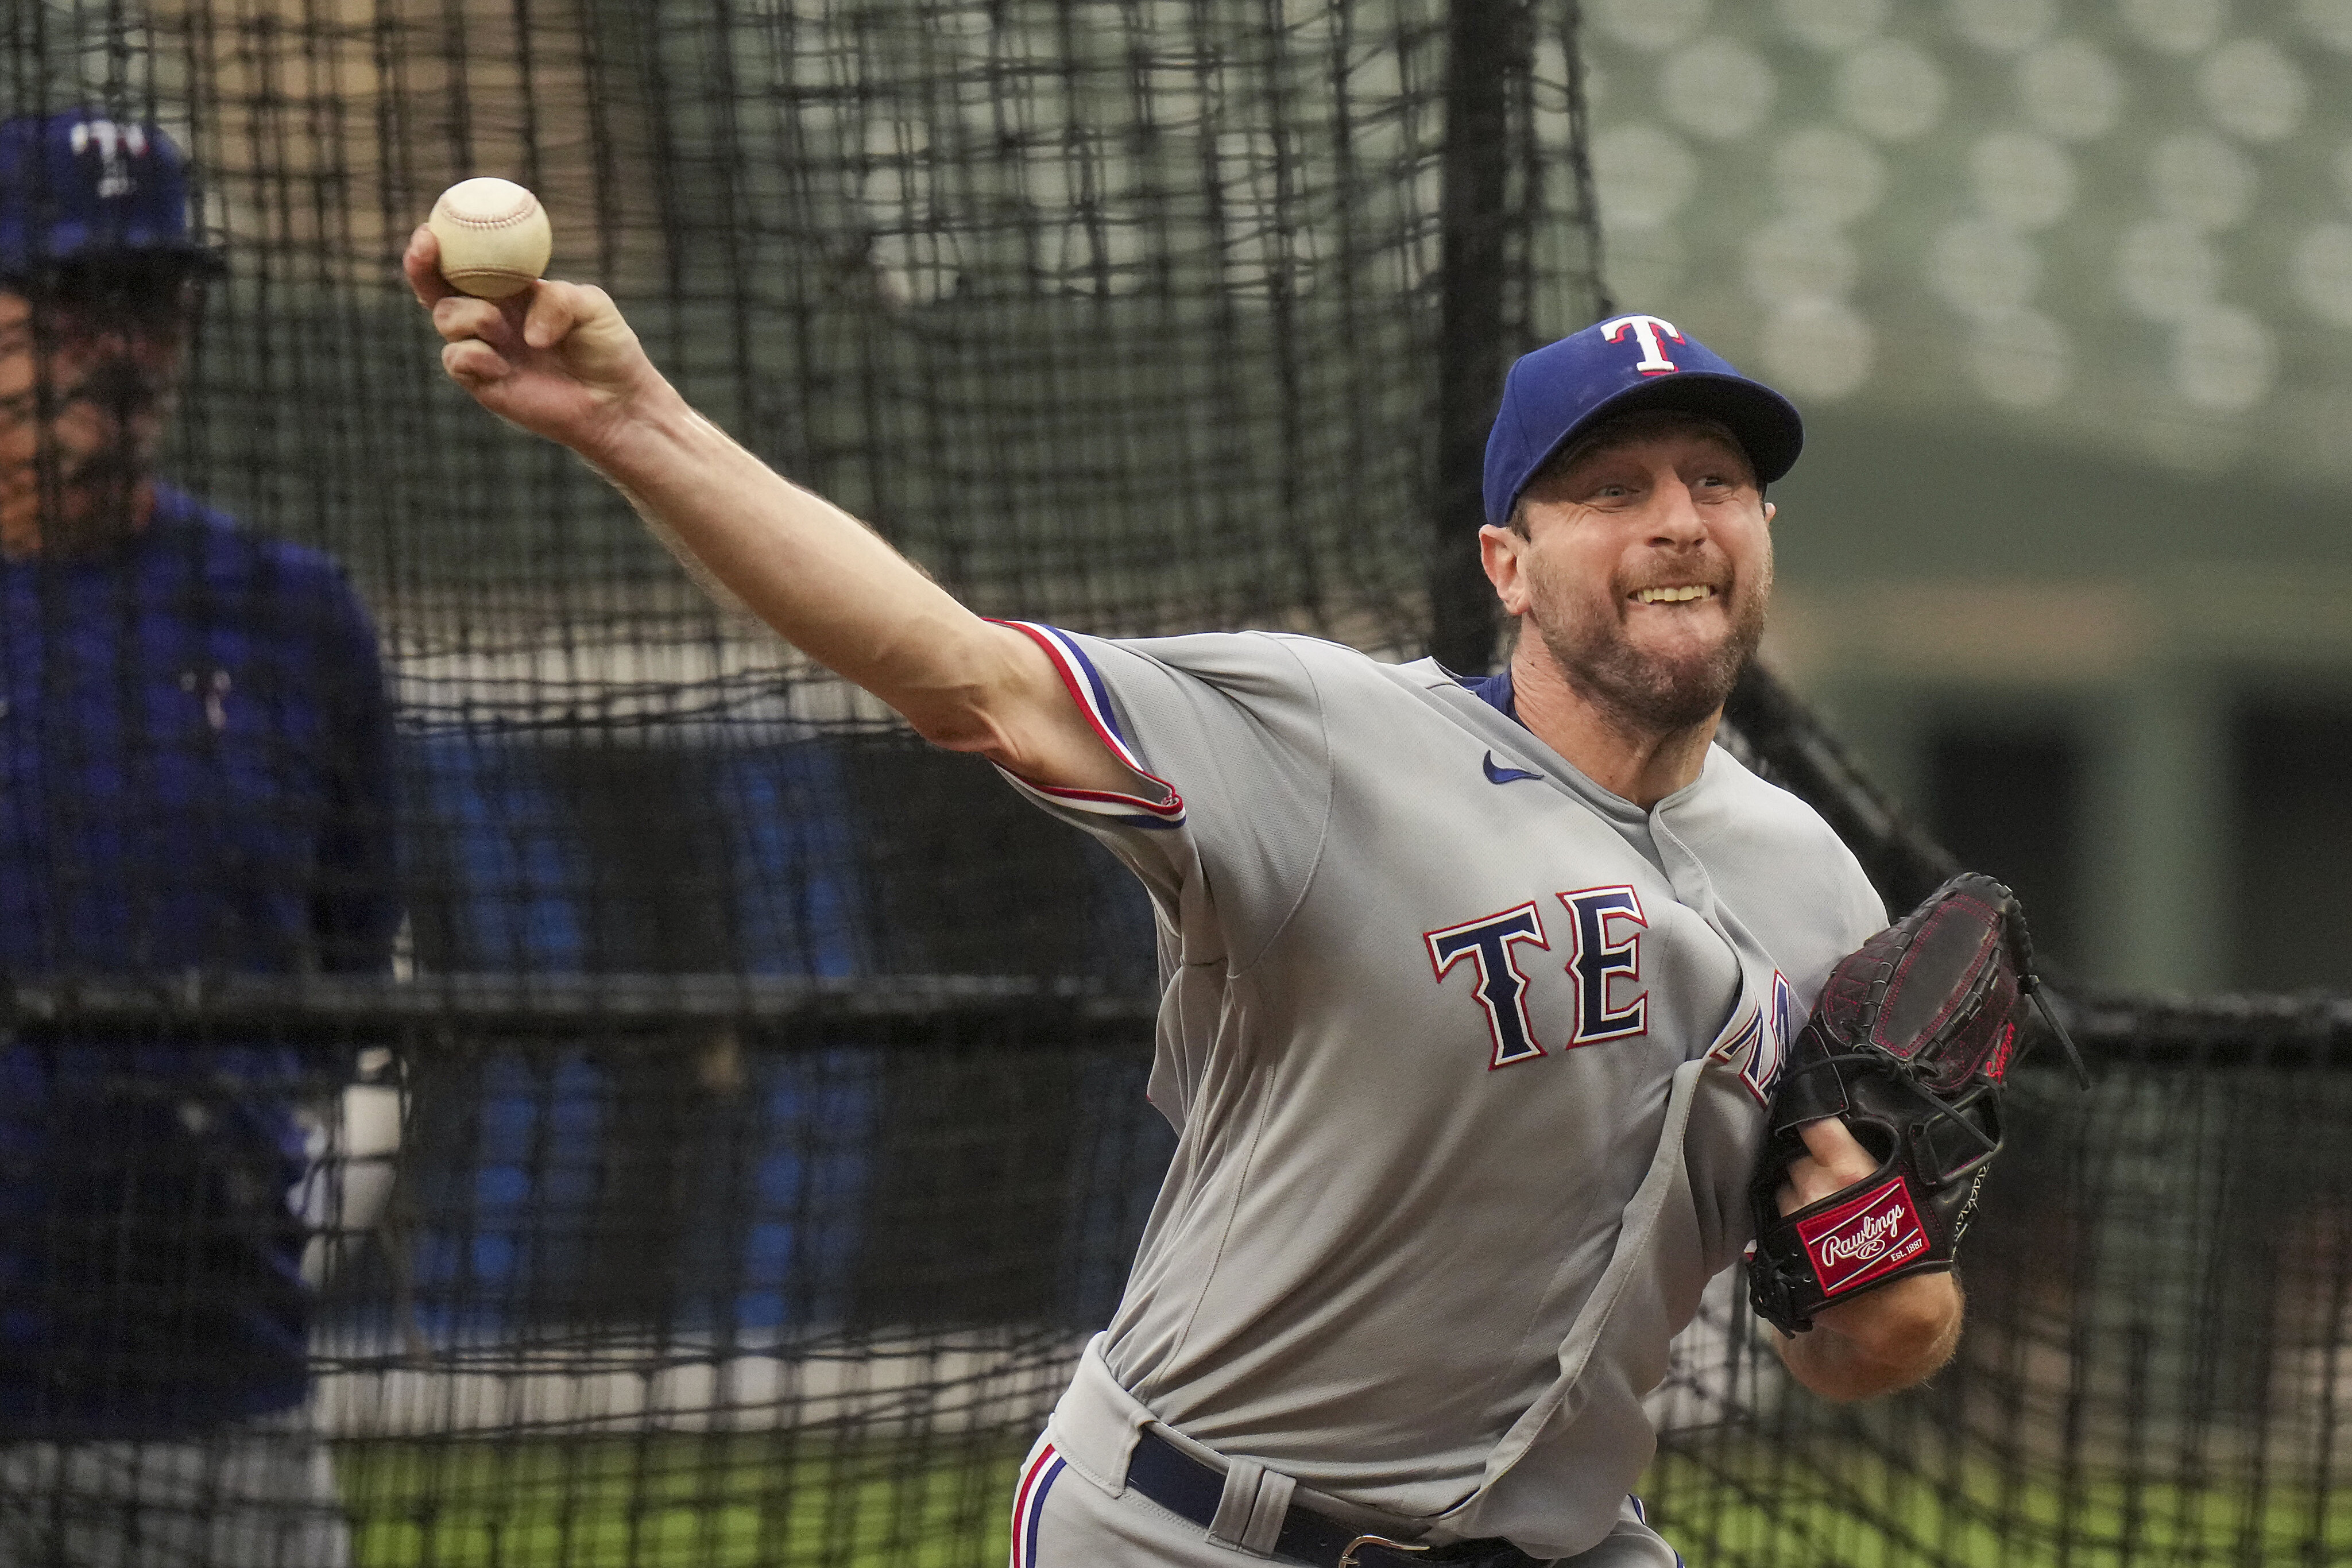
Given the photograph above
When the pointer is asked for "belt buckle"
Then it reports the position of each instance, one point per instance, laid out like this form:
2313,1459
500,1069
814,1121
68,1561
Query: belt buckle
1347,1557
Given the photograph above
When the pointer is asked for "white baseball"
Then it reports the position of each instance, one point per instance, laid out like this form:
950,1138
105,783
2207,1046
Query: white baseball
494,235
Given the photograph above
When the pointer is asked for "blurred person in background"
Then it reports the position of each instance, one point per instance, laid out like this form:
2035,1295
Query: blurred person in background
194,765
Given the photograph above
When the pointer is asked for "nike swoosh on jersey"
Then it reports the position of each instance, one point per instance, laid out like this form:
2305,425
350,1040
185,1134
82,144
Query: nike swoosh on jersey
1498,774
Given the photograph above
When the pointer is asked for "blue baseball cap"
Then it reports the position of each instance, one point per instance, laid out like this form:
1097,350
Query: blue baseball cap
83,185
1618,366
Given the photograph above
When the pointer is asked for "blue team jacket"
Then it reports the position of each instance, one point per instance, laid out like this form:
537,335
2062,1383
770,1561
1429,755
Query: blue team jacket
195,775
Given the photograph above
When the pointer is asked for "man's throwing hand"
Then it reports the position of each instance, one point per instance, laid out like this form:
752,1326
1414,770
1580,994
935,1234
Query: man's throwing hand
555,359
1834,1160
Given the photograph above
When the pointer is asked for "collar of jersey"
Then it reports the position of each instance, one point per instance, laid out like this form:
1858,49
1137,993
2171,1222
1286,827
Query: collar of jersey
1497,692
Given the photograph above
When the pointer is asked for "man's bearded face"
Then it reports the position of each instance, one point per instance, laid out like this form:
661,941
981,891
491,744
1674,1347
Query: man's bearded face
1649,563
88,371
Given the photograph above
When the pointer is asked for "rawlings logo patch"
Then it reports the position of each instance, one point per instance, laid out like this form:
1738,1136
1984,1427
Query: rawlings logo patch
1855,1242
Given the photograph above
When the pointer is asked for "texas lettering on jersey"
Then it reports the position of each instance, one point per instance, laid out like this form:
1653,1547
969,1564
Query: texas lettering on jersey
1762,1049
1605,926
1605,929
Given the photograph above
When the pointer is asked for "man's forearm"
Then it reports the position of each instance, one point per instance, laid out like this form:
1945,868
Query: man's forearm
826,582
562,364
1879,1342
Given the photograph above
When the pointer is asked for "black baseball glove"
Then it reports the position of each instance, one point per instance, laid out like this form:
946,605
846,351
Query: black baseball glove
1910,1042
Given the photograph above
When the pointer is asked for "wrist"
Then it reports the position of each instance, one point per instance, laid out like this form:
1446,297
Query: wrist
1910,1326
645,435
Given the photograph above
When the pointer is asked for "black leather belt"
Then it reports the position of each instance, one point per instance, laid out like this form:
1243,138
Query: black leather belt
1184,1485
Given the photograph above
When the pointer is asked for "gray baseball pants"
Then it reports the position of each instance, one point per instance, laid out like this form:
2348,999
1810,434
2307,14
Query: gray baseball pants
1071,1508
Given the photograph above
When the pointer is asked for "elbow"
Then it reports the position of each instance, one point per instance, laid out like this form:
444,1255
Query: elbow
1871,1372
951,727
961,719
970,700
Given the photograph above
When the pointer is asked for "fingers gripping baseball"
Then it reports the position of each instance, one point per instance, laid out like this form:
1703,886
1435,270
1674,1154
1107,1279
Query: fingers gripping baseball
1834,1160
555,359
569,329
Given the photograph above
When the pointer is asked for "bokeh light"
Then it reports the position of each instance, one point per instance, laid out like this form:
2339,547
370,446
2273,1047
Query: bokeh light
2103,214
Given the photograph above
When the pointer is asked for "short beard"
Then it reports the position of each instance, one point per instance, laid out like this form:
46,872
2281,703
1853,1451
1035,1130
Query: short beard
1642,693
93,509
89,499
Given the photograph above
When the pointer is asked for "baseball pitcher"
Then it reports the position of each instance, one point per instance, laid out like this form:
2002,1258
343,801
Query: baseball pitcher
1476,990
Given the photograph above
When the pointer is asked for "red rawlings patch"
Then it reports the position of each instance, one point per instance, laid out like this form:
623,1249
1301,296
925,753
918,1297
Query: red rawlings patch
1863,1238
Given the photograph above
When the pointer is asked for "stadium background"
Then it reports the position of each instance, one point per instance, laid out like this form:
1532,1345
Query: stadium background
2065,289
772,1087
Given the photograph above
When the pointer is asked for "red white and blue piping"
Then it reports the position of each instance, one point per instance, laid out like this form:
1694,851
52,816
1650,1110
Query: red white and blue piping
1087,688
1029,1503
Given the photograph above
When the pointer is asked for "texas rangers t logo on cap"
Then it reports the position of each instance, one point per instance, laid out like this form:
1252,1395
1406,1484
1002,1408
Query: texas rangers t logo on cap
84,186
114,141
1557,392
1649,329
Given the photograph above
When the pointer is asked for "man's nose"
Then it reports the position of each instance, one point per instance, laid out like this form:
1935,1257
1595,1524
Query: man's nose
1675,518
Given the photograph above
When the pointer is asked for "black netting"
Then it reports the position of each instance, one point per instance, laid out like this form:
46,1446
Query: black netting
2154,1366
713,1121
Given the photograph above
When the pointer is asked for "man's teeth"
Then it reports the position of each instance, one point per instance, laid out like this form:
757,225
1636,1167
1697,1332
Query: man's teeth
1672,595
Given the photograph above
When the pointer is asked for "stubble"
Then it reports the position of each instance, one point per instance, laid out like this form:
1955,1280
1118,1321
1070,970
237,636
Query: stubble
1644,691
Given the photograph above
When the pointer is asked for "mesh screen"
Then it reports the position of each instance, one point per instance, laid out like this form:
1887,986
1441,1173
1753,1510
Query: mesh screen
2153,1371
712,1122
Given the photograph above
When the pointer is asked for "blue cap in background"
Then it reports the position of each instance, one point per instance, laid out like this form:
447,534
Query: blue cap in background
1618,366
82,185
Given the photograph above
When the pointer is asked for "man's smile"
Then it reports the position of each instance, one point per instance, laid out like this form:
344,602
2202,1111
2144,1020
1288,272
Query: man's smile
1683,593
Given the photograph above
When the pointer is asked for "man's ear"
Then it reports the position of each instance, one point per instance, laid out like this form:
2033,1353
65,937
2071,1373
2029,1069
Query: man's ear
1499,551
1770,512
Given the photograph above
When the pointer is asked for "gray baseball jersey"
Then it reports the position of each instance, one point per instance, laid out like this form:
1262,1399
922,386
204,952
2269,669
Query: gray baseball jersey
1466,1057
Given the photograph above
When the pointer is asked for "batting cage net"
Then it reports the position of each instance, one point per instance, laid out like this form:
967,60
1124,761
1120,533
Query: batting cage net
508,1064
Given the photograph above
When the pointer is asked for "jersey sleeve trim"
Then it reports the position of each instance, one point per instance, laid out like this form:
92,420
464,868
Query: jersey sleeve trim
1088,689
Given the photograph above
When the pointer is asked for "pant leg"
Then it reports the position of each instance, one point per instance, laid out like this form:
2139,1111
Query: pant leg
1630,1544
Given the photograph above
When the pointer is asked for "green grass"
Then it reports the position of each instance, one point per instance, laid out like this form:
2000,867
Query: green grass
1823,1509
676,1502
796,1501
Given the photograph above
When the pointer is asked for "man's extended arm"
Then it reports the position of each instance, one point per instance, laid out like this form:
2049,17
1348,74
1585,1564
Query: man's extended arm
558,359
1886,1339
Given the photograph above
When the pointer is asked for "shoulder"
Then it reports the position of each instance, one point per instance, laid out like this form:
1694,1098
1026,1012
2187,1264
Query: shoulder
1241,655
198,552
204,534
1770,810
1248,666
1768,837
1286,659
